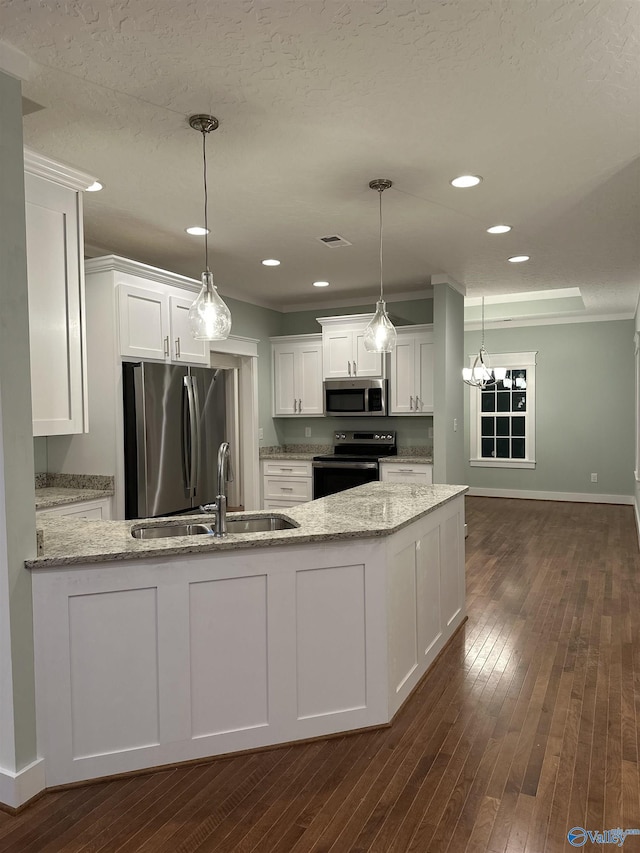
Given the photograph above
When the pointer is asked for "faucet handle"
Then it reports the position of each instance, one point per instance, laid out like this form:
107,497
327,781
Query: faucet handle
208,507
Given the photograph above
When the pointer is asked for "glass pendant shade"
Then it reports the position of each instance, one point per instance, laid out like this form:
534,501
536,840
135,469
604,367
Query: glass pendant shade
209,317
380,335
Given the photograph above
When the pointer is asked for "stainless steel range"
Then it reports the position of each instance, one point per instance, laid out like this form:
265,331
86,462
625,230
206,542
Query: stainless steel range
354,461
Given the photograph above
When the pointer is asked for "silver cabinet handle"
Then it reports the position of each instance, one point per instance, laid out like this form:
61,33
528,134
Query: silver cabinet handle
177,347
286,488
411,403
166,346
417,402
355,369
300,406
349,367
285,469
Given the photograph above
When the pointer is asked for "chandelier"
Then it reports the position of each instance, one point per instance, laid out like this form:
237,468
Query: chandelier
482,375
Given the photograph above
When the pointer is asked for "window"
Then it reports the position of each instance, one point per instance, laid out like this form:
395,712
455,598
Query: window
502,418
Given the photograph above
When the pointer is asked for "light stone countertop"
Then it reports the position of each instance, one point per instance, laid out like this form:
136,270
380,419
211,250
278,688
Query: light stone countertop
408,460
374,509
291,456
52,496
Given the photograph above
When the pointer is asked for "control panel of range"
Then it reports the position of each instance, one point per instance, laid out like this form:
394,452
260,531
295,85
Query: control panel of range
365,437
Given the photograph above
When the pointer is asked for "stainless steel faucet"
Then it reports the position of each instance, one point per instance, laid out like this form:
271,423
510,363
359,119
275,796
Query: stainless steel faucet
225,475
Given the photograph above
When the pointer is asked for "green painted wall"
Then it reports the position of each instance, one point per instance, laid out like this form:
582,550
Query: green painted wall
448,399
584,407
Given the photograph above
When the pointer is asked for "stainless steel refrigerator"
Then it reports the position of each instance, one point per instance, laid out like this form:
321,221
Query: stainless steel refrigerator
174,422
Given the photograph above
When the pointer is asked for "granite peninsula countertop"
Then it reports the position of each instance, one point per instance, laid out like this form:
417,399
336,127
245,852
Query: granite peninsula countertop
371,510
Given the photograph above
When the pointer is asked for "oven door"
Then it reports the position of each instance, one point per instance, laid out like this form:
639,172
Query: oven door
332,477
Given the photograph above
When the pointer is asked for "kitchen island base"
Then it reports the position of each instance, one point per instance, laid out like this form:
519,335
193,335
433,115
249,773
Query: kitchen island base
142,663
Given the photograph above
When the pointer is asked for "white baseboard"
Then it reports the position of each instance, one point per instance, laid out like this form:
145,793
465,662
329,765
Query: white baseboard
16,789
636,512
577,497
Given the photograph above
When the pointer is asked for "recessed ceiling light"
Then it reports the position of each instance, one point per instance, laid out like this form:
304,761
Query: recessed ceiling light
498,229
466,181
518,259
197,230
95,187
271,262
321,284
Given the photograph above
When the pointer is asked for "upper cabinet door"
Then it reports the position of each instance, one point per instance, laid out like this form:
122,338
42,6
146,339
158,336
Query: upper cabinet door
402,382
184,347
411,384
284,379
55,288
309,379
337,353
365,363
424,367
144,323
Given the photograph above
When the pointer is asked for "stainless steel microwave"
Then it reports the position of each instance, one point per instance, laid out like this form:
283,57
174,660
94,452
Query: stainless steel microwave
355,397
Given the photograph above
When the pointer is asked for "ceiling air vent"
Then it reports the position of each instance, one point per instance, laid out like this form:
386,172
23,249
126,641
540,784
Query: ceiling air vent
333,241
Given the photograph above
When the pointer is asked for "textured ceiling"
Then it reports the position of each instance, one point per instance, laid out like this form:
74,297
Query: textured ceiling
315,99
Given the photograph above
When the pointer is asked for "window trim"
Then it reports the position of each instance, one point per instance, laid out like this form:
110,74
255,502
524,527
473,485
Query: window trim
509,360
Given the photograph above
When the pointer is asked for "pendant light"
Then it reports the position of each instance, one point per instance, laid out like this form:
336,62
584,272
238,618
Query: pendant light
380,335
209,317
481,375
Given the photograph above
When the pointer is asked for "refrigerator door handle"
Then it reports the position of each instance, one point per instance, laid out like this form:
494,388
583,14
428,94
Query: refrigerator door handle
189,426
195,442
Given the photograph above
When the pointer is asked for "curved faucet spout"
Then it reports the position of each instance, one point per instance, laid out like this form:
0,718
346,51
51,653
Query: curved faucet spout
225,474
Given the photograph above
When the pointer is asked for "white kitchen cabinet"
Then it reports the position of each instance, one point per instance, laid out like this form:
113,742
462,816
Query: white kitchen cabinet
297,376
53,210
286,483
343,352
98,509
154,324
420,473
412,373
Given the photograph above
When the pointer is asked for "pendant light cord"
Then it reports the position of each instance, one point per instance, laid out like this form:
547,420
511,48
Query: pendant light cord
206,200
380,194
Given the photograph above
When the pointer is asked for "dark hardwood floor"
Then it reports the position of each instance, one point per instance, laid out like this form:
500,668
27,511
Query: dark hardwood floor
526,726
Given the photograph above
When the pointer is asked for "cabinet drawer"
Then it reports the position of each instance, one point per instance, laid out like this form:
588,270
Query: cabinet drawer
407,474
283,487
98,509
278,503
274,468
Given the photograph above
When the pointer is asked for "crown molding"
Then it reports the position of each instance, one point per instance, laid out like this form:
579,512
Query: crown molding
554,320
115,263
52,170
14,62
446,279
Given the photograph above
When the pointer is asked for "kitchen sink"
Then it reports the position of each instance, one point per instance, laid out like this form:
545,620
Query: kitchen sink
182,529
257,524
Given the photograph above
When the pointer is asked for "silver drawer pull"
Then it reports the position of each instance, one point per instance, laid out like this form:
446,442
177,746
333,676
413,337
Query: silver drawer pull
285,469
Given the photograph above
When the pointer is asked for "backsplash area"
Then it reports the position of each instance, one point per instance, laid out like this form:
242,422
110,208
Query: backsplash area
411,433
